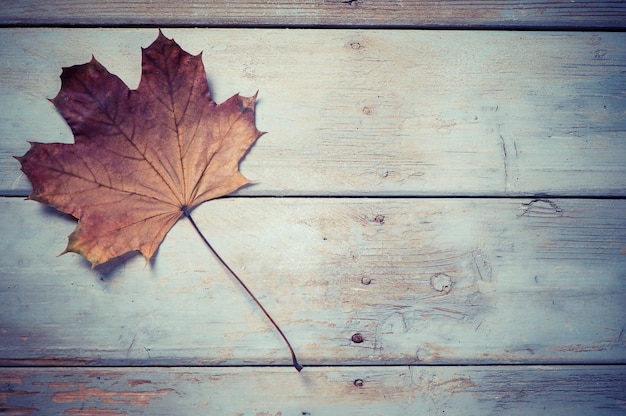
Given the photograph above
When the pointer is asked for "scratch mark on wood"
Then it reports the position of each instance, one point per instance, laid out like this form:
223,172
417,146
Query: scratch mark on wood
478,326
505,163
130,346
448,310
483,268
455,385
540,208
94,411
395,324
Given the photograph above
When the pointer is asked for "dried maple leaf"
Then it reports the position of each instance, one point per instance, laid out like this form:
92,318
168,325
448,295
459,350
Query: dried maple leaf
141,157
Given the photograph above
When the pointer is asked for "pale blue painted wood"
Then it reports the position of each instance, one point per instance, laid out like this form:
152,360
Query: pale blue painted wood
461,281
425,281
352,112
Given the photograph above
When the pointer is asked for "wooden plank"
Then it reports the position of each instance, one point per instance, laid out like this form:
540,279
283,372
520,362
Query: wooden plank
352,112
287,13
509,390
428,281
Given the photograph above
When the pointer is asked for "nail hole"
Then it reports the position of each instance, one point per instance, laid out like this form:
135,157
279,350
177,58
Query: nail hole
358,382
380,219
366,280
357,338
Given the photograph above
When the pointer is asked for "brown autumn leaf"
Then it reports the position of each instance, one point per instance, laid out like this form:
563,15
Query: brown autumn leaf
141,158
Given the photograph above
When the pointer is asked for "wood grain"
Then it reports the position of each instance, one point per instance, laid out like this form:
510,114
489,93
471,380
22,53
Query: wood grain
289,13
472,306
520,390
428,281
370,113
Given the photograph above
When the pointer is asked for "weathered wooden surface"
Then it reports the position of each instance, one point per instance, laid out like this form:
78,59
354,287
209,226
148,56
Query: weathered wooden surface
552,390
435,281
499,288
362,13
352,112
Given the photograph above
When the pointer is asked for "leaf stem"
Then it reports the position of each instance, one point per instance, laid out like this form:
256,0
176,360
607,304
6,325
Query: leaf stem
297,365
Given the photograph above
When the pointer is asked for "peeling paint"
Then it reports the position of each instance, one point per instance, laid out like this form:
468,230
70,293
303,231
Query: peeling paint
10,378
134,383
7,409
141,398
